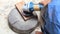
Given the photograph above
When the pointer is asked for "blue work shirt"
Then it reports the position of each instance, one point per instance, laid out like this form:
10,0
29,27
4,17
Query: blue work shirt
52,18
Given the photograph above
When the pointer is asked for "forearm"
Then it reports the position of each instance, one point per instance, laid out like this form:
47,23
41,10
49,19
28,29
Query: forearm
45,2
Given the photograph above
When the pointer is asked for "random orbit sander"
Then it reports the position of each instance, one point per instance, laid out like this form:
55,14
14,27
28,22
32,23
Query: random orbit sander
26,10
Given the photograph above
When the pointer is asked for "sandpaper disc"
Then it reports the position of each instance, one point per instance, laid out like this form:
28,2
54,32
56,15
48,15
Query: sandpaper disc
18,25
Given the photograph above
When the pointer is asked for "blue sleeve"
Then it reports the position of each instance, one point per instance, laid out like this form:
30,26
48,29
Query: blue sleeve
52,18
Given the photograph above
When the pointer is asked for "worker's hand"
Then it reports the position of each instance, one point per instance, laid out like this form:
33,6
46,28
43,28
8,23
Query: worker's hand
37,32
45,2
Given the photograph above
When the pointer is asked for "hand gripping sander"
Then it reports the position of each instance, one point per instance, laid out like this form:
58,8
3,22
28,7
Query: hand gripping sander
26,10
